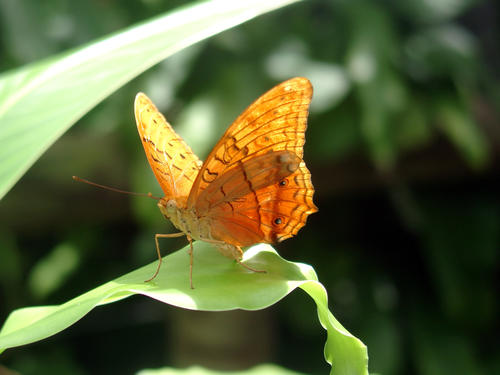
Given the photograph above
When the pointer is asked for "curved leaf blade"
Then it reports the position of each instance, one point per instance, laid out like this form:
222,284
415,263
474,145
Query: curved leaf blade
40,101
220,284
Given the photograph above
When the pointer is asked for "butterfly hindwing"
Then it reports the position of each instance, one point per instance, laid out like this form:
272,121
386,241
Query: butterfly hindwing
245,178
270,214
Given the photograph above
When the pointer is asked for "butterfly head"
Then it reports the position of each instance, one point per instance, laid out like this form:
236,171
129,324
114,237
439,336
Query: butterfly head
168,207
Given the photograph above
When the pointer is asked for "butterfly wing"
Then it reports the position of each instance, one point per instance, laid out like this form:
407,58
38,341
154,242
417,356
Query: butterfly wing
171,159
243,178
260,208
284,206
254,211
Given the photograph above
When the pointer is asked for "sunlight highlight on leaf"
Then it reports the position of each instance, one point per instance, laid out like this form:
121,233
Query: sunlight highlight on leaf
40,101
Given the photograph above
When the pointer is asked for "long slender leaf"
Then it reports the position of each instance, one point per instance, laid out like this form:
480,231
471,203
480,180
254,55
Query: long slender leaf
40,101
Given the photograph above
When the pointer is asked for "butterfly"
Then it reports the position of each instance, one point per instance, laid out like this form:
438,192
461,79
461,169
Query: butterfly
254,185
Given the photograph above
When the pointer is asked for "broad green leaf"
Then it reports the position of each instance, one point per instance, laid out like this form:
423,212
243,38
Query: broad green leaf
40,101
220,284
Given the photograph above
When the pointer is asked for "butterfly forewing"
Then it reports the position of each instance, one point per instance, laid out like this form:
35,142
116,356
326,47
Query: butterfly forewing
172,160
276,121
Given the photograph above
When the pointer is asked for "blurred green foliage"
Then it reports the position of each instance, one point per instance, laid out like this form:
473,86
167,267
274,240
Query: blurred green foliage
403,145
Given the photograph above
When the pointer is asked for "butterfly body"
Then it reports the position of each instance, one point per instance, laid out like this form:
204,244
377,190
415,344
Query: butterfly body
198,224
253,187
186,219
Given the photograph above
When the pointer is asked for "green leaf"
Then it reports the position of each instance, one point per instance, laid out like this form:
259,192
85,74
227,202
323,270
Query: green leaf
40,101
220,284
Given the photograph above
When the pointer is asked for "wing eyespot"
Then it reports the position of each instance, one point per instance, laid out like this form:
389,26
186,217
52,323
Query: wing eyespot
283,183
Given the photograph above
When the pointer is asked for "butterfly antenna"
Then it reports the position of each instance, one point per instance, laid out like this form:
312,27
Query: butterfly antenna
76,178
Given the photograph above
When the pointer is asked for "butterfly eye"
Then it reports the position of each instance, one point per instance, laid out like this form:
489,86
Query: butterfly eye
283,182
278,221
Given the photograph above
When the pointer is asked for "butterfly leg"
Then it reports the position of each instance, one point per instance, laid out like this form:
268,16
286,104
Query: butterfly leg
159,235
247,266
190,262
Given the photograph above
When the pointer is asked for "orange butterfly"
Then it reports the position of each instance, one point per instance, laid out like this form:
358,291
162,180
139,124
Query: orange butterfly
253,187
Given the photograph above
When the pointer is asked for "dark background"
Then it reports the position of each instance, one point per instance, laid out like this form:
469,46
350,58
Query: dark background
403,145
